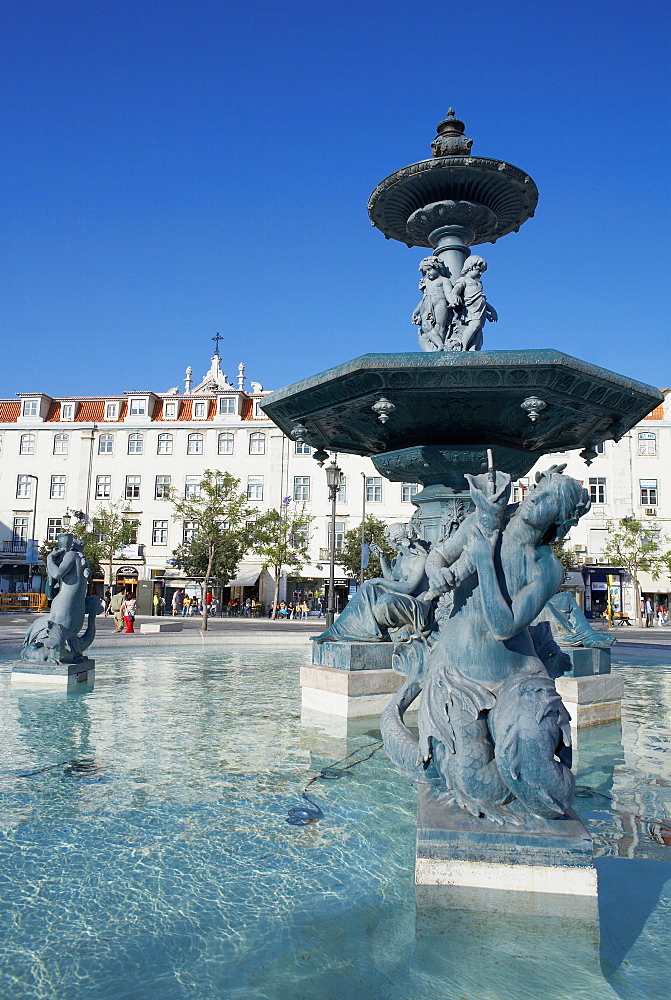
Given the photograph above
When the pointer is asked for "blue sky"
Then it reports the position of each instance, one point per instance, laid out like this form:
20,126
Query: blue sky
173,169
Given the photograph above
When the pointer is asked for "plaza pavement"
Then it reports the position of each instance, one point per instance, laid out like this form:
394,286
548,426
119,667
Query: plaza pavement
649,643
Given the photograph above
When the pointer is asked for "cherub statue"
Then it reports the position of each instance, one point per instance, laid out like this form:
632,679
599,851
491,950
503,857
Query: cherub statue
470,306
433,315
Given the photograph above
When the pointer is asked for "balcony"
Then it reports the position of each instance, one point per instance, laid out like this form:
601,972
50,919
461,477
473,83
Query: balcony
325,554
13,550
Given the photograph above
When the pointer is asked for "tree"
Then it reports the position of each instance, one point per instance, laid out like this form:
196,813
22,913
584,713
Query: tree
91,545
281,539
111,529
565,556
350,555
635,547
221,537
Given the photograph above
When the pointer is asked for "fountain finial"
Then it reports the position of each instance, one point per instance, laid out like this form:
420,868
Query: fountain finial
451,140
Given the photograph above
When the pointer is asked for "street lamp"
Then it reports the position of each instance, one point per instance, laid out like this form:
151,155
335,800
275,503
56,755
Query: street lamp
334,479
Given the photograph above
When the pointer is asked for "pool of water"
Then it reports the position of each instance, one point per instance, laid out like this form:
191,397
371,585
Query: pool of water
146,852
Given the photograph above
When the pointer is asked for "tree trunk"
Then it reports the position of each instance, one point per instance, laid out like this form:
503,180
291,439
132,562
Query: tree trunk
637,599
206,583
277,594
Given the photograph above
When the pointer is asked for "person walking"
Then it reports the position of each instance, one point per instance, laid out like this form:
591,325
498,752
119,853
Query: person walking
156,603
116,607
648,613
129,608
177,603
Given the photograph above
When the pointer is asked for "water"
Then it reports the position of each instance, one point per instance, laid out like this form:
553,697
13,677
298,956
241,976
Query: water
145,851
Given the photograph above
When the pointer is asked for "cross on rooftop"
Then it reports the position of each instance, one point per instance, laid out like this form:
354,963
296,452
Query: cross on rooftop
216,344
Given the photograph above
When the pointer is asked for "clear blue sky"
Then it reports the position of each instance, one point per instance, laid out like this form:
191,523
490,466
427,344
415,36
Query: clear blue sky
172,169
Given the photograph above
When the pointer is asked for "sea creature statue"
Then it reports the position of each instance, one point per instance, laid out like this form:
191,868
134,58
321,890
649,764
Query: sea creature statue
451,316
494,736
55,637
389,607
568,624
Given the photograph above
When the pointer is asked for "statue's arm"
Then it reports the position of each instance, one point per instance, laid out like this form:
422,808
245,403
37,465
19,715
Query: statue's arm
411,582
503,619
442,555
57,570
456,298
491,313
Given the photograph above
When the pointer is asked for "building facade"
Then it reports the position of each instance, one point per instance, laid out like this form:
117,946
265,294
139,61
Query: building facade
69,456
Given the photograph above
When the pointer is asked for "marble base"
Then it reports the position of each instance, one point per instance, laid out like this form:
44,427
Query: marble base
348,693
587,661
61,674
545,856
154,627
591,700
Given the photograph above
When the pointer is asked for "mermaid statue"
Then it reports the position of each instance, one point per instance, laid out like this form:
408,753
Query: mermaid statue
390,607
494,736
55,637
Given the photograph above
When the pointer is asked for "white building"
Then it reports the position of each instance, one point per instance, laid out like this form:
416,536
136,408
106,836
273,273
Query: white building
73,454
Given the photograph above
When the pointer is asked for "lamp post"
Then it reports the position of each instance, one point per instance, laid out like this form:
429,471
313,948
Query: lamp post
33,540
334,482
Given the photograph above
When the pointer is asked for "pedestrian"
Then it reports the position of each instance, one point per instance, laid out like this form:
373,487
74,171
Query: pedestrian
116,607
161,607
321,607
156,603
108,598
648,613
661,615
214,606
186,602
291,611
129,607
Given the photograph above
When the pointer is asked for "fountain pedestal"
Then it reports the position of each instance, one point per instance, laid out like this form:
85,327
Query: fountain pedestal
349,679
70,675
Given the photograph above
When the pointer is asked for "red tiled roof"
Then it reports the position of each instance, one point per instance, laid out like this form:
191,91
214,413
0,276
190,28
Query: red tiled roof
10,410
656,414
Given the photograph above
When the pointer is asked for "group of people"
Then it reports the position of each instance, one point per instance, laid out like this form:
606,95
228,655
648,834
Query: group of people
648,613
291,610
123,607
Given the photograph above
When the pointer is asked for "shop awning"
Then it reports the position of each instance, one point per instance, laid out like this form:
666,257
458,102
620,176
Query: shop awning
662,585
574,580
247,577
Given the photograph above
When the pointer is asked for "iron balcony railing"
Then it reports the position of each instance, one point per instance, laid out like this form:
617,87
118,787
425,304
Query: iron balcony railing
14,546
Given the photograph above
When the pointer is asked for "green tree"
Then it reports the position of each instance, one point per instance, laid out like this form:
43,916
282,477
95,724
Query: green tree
281,539
565,555
220,512
111,529
90,544
350,555
635,546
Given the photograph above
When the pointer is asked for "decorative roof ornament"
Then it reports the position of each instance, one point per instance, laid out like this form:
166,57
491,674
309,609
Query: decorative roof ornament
450,140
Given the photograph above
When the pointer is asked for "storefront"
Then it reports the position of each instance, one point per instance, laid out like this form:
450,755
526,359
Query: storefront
603,590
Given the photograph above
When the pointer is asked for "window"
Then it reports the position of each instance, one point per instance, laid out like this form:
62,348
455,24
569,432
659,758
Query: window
302,448
341,495
226,444
164,446
299,539
598,539
408,491
339,535
520,490
648,492
647,443
20,534
103,487
134,525
162,488
57,490
255,487
258,412
199,410
24,487
302,488
105,444
61,442
0,444
27,445
135,444
373,489
30,407
227,404
159,534
111,411
138,407
133,487
192,487
257,443
189,530
54,528
597,490
170,409
194,444
67,411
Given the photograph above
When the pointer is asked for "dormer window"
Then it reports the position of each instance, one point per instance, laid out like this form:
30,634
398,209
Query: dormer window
111,411
170,409
67,411
30,407
228,404
137,406
199,410
258,412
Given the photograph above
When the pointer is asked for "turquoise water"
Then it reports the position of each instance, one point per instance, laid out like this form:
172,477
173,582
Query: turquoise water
146,853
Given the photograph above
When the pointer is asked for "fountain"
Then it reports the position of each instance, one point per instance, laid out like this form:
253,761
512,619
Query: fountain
461,633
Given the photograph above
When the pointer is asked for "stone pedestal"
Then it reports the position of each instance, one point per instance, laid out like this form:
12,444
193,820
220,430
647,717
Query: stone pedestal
151,628
70,675
350,679
590,700
545,856
585,662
